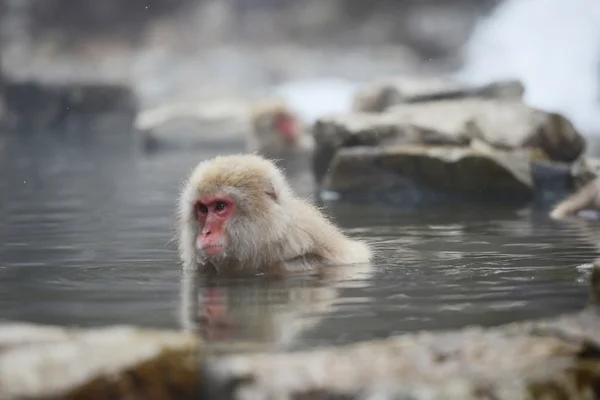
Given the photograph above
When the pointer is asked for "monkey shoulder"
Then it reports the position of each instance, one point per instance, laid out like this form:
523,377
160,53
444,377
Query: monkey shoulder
325,240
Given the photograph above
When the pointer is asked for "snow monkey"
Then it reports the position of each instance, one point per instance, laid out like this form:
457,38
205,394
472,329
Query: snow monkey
238,214
277,131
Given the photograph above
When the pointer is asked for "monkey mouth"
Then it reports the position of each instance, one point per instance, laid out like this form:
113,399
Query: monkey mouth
212,250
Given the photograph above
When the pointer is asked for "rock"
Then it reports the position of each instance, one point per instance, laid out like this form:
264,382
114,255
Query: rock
547,359
46,362
470,364
380,96
552,180
44,105
193,125
501,123
421,173
504,124
360,129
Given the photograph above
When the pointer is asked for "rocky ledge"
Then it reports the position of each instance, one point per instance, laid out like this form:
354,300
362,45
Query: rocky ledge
46,362
448,142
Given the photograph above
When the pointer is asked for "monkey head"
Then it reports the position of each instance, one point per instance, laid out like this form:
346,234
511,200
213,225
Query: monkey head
275,126
232,210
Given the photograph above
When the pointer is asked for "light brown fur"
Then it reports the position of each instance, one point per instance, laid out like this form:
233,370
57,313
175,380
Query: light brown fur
586,198
264,138
271,230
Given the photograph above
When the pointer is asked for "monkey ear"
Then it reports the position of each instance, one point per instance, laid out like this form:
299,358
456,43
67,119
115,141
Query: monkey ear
270,191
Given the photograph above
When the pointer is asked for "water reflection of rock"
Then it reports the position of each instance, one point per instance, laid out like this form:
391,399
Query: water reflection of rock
263,312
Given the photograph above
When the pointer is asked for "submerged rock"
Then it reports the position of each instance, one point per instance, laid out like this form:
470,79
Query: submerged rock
46,362
547,359
380,96
422,172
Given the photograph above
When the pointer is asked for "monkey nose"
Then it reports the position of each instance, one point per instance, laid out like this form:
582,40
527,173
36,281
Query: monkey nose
206,233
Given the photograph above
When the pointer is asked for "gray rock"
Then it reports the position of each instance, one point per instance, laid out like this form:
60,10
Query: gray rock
46,362
380,96
503,124
552,180
420,172
361,129
546,359
191,125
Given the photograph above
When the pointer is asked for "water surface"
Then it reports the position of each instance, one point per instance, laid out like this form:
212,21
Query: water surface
86,239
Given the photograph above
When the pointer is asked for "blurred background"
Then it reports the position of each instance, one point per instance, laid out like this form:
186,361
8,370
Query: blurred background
191,49
171,50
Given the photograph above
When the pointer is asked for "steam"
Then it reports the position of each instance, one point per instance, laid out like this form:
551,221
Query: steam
552,46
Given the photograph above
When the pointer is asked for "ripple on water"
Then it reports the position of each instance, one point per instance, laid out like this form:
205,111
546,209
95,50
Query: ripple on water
88,240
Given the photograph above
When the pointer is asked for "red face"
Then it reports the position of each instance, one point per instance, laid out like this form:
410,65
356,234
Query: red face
213,214
286,126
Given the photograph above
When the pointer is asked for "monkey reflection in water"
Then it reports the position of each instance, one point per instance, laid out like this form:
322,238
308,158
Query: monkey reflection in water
239,216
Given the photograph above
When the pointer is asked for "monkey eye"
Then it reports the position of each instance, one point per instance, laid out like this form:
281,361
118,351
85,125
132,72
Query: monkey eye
201,208
220,206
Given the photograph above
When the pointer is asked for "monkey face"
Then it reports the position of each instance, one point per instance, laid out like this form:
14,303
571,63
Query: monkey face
212,214
234,213
277,130
285,125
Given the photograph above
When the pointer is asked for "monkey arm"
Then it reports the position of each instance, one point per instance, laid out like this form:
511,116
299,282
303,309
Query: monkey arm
587,197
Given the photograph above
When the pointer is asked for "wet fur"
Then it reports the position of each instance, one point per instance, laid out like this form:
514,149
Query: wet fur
272,230
586,198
